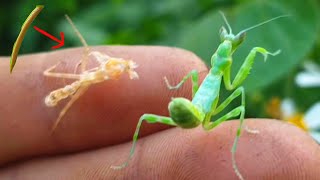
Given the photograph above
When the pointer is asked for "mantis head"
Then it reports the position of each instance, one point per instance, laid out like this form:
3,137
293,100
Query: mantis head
236,40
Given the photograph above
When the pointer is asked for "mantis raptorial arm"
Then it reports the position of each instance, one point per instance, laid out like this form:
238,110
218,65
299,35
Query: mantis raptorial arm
49,73
245,68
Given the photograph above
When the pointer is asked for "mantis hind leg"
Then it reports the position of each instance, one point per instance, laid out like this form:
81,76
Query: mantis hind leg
240,110
150,118
74,97
194,78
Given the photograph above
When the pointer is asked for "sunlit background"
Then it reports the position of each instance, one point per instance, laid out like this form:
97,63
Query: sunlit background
285,87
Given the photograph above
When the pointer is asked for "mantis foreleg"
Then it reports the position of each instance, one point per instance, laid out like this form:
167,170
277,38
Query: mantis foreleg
245,68
49,73
194,78
150,118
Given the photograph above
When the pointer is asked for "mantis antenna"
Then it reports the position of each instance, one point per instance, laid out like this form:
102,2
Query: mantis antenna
226,21
252,27
264,22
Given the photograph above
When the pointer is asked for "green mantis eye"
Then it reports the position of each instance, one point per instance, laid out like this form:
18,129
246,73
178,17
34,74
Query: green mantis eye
238,39
223,33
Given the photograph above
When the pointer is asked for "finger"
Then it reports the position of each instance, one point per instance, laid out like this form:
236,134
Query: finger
279,151
106,114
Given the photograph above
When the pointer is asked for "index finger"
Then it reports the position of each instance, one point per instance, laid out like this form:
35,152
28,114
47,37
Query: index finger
106,114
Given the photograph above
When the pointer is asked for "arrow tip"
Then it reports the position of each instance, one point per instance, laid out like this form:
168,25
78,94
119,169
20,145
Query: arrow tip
61,42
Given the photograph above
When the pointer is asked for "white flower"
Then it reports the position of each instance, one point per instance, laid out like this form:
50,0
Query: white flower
312,119
310,122
286,110
310,77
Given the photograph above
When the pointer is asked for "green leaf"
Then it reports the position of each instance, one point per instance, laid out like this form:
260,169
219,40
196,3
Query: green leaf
295,36
24,28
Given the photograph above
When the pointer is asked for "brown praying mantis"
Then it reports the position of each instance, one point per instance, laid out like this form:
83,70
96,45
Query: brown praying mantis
109,68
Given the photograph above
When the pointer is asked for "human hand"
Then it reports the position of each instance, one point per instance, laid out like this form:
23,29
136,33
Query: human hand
97,130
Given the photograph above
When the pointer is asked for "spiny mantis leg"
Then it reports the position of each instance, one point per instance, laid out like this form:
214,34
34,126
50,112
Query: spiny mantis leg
224,104
240,110
150,118
60,75
245,68
49,73
235,112
74,97
194,78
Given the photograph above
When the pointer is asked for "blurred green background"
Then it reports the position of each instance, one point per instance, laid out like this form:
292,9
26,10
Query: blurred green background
189,24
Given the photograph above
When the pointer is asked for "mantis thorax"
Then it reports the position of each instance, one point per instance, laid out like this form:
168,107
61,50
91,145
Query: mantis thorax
221,59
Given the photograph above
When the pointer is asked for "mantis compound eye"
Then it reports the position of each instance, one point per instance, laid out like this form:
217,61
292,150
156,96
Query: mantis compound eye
223,33
238,39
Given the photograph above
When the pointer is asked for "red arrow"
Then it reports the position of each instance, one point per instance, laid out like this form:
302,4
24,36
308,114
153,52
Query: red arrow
61,42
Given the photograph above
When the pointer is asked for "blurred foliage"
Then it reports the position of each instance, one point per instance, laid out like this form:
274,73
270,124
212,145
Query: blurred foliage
189,24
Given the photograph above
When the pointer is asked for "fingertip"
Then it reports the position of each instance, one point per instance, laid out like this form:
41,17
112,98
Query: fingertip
106,114
279,151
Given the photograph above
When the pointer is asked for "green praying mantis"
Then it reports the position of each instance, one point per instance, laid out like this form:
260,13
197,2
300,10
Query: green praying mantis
204,104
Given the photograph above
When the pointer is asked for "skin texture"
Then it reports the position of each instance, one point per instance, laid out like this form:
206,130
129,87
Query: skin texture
97,130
